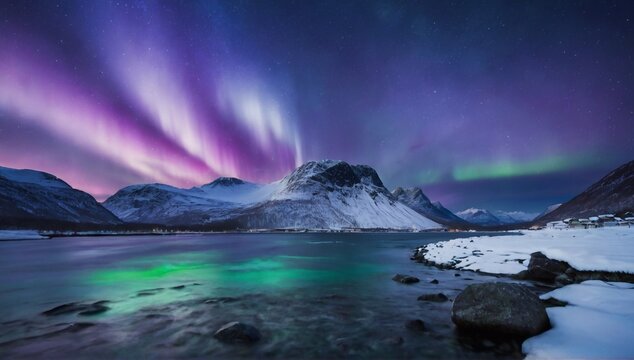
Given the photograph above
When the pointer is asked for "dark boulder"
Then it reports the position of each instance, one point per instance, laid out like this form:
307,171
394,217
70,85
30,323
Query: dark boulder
440,297
236,332
415,325
500,309
434,281
405,279
542,268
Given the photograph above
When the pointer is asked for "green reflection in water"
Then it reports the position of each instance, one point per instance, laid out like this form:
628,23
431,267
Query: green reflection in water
276,270
128,278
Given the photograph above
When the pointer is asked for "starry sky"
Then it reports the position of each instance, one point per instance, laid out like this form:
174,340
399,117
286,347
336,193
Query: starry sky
509,105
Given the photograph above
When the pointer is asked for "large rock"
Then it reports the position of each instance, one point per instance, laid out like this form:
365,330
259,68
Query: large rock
542,268
236,332
500,309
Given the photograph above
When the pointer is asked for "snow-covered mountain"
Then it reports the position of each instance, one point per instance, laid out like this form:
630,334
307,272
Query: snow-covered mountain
29,195
479,217
415,199
613,194
318,195
494,218
514,217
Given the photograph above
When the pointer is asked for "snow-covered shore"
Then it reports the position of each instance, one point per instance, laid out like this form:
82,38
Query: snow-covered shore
604,249
597,322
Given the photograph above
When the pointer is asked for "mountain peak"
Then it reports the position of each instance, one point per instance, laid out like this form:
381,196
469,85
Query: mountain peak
226,181
335,172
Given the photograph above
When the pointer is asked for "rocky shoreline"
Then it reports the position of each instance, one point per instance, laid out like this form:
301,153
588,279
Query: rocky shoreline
513,311
540,268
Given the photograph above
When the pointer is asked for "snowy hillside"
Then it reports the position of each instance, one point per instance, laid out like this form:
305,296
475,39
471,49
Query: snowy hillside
415,199
29,195
325,194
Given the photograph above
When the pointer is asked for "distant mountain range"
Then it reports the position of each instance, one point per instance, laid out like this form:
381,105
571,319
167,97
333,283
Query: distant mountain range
485,217
613,194
416,200
317,195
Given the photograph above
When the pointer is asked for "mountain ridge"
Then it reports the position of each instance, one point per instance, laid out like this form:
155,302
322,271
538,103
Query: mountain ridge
613,193
318,194
30,195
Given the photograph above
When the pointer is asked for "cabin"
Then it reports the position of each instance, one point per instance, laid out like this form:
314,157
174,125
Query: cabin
557,225
576,223
607,220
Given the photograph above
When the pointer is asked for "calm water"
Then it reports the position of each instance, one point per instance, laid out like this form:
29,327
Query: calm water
311,296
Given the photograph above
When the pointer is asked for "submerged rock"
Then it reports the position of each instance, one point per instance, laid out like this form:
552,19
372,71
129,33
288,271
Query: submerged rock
434,281
78,308
440,297
94,309
405,279
500,309
394,341
237,332
415,325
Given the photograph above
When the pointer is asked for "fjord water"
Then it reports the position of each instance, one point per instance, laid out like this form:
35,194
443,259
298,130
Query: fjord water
310,295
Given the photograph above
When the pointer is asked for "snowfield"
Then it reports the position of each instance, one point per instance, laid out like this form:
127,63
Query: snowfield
596,323
604,249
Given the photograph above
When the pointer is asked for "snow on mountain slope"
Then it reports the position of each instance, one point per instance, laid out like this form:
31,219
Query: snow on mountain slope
512,217
493,218
238,191
334,194
415,199
29,195
479,216
164,204
325,194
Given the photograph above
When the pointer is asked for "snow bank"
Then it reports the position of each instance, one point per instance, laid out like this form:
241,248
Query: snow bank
596,324
604,249
20,235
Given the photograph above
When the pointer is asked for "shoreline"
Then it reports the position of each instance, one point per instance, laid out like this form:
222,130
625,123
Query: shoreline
595,284
44,234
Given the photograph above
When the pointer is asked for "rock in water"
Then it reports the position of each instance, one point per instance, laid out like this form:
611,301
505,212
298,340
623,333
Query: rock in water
415,325
405,279
440,297
500,309
236,332
542,268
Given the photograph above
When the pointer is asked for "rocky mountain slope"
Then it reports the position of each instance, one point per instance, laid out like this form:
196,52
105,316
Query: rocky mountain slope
415,199
318,195
613,194
29,195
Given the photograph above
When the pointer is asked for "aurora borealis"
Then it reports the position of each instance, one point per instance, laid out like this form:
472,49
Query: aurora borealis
506,105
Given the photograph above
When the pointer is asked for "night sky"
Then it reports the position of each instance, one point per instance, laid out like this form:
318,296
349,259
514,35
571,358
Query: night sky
505,105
